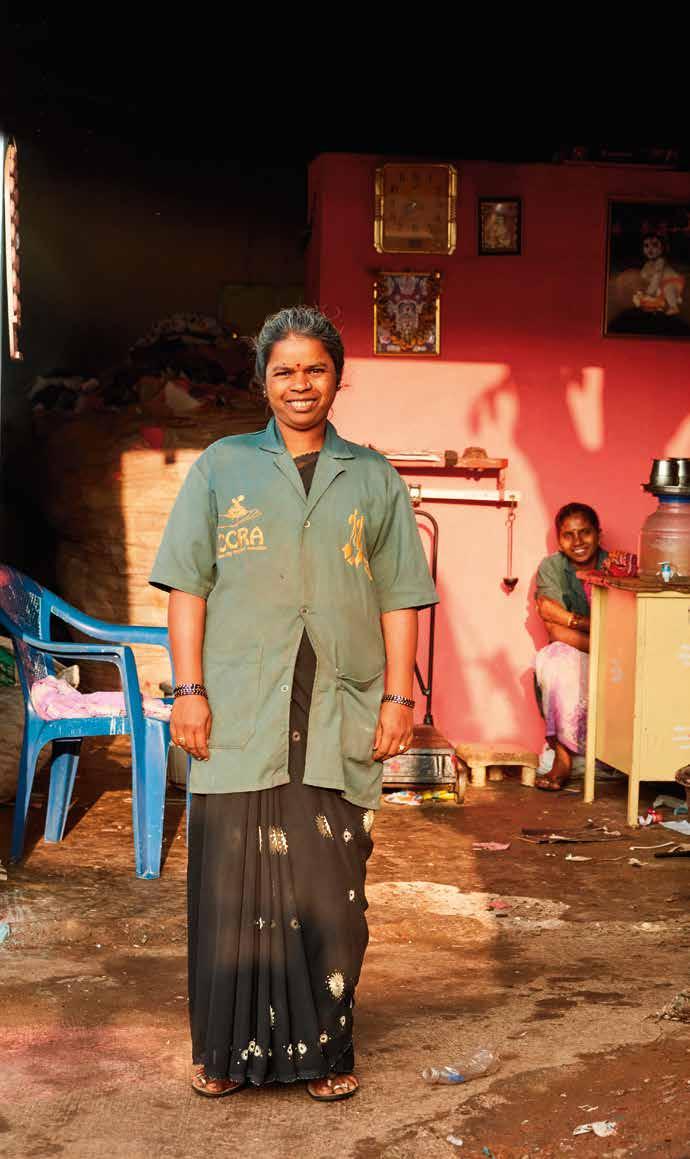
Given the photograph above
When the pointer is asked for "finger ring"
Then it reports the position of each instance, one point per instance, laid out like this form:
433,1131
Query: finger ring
180,740
401,748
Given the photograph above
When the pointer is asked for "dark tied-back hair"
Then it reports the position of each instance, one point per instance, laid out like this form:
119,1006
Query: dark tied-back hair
577,509
301,321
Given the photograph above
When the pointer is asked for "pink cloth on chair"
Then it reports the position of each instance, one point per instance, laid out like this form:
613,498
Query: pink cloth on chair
55,699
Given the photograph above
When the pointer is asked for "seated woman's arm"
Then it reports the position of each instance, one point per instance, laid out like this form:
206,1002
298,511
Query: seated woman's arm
562,625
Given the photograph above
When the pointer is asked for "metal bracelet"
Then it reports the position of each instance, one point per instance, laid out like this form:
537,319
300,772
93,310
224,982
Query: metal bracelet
190,690
393,696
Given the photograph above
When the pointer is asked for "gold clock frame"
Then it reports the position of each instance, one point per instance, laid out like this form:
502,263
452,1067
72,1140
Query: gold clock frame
380,208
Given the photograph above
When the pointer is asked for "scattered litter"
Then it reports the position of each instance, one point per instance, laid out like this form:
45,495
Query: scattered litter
676,803
488,1153
601,1128
678,1009
675,851
652,817
663,845
491,846
635,861
678,827
584,835
438,795
499,905
455,1140
403,797
482,1062
4,931
576,857
586,1107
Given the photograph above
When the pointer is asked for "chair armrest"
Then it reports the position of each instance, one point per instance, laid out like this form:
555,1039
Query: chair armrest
103,630
78,650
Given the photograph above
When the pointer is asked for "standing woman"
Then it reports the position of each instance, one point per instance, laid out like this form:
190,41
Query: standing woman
295,573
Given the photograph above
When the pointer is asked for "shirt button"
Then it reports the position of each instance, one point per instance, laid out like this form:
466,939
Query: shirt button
307,523
285,688
303,611
296,735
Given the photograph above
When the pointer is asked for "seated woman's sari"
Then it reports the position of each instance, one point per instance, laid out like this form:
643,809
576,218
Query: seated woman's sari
561,670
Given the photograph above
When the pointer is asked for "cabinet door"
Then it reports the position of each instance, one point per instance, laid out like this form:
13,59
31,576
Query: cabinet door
616,687
663,695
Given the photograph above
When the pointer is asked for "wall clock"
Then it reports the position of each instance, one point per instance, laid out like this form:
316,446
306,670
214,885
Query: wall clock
13,290
415,208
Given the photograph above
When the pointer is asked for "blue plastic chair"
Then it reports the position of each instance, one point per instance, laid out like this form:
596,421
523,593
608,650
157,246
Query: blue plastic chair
26,609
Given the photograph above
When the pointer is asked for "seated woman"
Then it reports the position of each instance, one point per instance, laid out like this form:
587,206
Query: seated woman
562,666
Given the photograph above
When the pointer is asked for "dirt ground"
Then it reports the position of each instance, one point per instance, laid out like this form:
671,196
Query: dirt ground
564,981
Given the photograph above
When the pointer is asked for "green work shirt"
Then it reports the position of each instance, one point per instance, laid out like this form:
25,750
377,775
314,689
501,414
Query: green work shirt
556,580
272,563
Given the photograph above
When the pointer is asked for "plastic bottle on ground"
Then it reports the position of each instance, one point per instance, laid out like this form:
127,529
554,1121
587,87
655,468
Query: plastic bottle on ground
480,1063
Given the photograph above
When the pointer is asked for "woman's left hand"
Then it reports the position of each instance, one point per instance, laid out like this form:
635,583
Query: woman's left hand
393,731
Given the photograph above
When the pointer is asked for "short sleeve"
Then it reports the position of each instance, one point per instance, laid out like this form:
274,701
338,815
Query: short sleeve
186,558
550,581
398,564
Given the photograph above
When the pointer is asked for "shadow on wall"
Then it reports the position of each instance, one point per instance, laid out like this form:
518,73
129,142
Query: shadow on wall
569,432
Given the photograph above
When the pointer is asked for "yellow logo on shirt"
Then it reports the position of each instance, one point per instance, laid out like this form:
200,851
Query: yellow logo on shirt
233,537
354,550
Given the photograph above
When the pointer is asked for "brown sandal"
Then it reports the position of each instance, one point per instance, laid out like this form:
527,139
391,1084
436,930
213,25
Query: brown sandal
339,1087
549,784
201,1085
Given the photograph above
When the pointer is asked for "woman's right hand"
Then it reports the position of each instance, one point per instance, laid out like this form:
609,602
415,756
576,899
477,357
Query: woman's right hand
190,725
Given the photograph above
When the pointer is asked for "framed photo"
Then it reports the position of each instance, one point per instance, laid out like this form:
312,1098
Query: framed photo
407,312
500,226
647,291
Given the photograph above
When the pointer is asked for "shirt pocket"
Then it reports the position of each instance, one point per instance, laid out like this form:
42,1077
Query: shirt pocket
360,701
233,691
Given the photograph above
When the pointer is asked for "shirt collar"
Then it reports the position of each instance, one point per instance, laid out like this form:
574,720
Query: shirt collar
337,448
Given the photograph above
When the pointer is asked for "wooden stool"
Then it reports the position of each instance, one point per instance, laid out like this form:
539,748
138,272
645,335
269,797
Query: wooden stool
490,759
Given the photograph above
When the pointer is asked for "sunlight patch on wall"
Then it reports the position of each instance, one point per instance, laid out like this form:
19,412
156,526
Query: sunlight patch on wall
585,400
678,446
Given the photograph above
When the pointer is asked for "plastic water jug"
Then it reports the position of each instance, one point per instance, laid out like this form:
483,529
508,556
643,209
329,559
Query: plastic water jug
665,538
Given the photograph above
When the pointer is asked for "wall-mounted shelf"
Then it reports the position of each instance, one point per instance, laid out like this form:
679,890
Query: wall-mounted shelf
473,461
419,493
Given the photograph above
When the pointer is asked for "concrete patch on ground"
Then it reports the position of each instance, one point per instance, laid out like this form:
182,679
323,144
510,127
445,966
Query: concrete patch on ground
450,901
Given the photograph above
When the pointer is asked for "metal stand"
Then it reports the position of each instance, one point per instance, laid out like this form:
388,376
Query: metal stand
430,759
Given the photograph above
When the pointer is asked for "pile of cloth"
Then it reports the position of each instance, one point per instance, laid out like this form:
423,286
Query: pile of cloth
185,362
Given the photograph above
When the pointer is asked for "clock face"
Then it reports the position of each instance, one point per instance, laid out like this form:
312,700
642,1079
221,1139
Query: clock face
415,208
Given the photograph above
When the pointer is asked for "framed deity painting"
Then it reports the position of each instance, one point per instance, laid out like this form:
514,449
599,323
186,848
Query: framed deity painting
647,289
500,226
407,312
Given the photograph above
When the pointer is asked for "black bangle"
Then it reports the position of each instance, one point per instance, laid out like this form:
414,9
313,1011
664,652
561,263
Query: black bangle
393,696
190,690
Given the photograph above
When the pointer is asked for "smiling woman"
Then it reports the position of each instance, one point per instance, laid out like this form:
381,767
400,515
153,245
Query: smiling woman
562,666
295,572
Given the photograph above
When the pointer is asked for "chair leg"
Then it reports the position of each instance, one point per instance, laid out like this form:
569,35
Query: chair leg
149,761
63,770
31,748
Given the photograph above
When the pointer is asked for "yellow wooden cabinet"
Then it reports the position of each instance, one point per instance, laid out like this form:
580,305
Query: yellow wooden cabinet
639,684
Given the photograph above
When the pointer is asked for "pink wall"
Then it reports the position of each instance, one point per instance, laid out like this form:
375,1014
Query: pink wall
525,374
